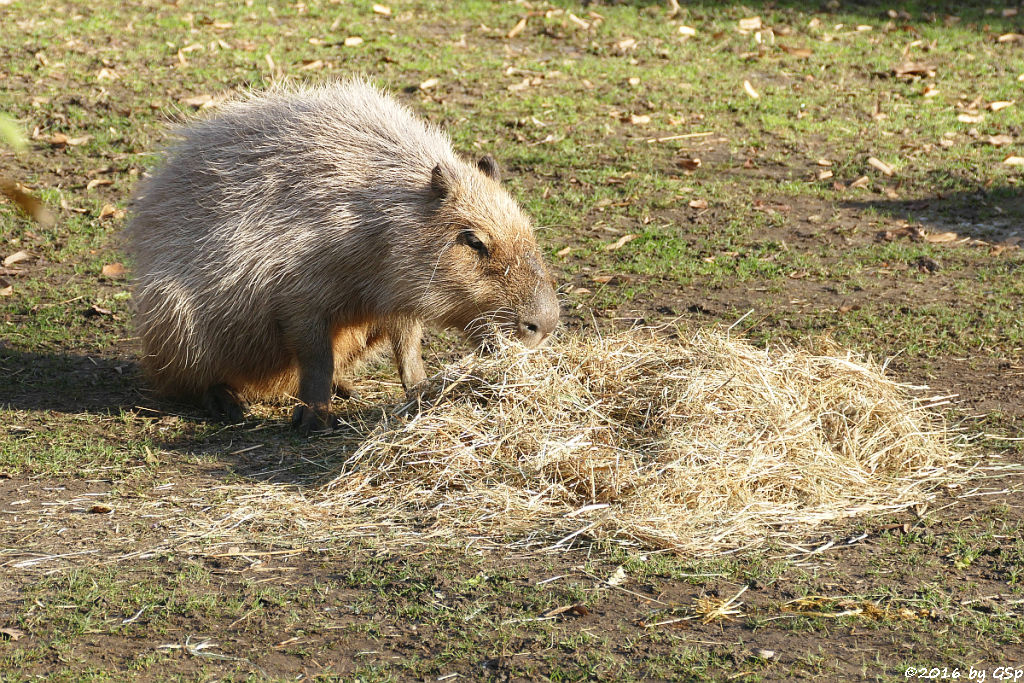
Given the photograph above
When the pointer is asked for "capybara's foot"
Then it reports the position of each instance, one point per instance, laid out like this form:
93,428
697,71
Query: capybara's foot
415,396
345,390
418,392
313,418
223,404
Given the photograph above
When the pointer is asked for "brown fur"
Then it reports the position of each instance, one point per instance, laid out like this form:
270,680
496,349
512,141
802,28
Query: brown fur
294,234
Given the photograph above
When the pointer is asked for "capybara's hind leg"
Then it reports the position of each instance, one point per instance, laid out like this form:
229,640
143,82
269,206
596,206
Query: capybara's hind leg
223,404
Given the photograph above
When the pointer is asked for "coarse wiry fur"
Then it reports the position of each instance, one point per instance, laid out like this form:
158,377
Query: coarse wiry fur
324,213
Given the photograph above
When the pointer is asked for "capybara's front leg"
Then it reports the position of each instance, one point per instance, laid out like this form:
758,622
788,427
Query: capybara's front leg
406,344
315,359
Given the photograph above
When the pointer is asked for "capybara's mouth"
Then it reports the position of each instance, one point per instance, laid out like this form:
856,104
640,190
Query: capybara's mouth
488,338
532,336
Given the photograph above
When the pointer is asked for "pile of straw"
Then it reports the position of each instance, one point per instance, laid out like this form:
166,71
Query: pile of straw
694,446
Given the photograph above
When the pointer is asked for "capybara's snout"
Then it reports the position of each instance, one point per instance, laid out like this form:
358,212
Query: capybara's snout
539,317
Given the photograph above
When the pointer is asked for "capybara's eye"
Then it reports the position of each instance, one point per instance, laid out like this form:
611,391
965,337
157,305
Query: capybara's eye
473,242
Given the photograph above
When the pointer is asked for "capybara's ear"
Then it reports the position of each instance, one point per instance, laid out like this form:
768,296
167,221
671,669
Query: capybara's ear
489,166
441,181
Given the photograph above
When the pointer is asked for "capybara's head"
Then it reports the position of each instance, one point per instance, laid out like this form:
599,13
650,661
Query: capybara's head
489,272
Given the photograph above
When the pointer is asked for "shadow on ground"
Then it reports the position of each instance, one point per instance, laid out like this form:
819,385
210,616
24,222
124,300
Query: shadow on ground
988,14
69,383
262,447
994,215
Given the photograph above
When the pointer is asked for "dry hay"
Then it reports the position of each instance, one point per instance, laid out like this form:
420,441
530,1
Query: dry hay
694,446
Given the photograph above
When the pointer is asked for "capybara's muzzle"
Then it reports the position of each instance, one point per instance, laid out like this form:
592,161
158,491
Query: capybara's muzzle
539,318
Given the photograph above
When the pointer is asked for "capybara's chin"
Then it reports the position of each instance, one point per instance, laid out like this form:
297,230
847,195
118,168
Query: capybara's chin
290,235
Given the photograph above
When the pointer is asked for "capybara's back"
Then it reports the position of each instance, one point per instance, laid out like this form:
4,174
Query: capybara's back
326,215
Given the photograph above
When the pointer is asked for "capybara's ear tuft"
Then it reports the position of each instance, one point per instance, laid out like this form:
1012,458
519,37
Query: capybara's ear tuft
489,167
440,181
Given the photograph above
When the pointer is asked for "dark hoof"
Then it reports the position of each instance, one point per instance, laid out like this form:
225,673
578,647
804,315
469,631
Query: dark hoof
223,404
344,390
309,419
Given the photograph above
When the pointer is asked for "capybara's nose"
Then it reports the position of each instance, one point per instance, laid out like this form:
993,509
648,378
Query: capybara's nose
537,324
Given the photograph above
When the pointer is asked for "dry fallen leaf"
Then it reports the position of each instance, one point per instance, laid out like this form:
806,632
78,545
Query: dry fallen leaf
106,74
750,24
352,41
111,211
801,52
564,251
113,270
96,182
929,91
860,182
100,509
12,633
824,174
639,119
1001,104
603,279
581,23
60,140
429,83
1011,38
518,28
198,101
688,163
824,162
579,610
1014,161
26,202
970,118
621,242
940,237
698,204
16,257
880,165
382,9
913,69
687,31
1000,140
626,45
521,85
617,577
750,90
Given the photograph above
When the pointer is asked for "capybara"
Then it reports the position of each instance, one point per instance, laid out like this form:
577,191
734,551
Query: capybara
293,233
